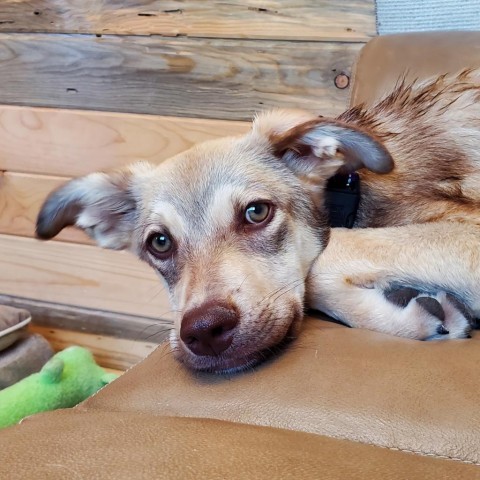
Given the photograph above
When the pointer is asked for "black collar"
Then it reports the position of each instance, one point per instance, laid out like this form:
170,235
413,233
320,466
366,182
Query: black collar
342,199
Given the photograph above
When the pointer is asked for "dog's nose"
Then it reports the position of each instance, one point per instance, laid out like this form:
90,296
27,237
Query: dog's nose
208,330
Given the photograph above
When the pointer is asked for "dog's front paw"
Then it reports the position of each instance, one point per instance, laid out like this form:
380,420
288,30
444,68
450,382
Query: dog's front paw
438,316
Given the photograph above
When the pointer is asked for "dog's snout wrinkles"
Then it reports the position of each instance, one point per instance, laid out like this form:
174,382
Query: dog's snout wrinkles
208,330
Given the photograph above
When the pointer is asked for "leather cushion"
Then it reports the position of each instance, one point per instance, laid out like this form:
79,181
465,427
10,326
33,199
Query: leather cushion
112,445
344,383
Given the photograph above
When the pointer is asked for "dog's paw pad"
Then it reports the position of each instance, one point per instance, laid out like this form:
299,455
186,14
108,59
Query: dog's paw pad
438,316
433,307
401,296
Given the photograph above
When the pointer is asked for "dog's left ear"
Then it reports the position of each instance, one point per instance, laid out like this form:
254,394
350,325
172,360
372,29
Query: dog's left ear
104,205
317,148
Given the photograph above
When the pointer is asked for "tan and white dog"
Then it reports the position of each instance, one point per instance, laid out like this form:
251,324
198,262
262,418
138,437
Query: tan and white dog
238,230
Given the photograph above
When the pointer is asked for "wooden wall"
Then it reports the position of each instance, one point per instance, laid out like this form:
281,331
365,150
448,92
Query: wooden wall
141,79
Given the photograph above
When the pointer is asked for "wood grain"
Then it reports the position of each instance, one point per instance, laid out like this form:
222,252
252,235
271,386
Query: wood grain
98,322
80,275
207,78
115,353
350,20
71,143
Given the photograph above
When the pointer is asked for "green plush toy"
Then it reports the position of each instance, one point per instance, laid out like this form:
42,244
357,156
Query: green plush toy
68,378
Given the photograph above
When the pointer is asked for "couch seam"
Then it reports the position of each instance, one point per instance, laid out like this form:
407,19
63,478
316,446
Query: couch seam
335,437
407,450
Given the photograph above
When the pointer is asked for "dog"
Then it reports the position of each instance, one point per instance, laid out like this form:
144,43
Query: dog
238,229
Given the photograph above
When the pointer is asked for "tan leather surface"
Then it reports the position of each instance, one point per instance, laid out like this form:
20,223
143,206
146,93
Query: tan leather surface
343,383
385,59
85,446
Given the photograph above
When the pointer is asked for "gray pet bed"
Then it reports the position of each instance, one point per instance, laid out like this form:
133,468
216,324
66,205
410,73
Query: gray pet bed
21,353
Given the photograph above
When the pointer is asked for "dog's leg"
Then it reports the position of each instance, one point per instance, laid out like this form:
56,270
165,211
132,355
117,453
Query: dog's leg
418,281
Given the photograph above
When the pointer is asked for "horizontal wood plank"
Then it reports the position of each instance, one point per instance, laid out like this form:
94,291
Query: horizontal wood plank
80,275
115,371
352,20
109,352
225,79
87,320
71,143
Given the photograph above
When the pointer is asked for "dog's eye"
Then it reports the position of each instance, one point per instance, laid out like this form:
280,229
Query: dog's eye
160,244
257,212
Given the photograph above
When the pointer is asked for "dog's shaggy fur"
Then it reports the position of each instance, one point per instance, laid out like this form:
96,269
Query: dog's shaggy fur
416,274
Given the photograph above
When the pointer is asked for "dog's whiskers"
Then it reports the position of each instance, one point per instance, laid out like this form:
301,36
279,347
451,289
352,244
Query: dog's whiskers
272,294
164,331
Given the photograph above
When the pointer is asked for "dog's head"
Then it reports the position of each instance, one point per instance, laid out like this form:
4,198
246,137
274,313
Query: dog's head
233,227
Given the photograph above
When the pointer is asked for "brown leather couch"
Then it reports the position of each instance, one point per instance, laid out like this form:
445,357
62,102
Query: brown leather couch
340,403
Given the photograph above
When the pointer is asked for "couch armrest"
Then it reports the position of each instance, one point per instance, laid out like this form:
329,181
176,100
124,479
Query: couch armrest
420,55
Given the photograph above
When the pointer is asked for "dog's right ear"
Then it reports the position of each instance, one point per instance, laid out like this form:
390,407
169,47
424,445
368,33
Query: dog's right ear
315,148
103,204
